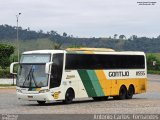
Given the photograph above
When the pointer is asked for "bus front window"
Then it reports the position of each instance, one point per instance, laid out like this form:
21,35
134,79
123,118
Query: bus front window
31,72
32,76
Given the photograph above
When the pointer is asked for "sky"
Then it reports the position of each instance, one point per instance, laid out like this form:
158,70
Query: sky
84,18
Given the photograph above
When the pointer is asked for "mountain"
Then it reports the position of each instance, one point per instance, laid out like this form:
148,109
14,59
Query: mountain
30,40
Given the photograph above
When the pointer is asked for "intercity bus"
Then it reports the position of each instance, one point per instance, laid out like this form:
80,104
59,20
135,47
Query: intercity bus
64,75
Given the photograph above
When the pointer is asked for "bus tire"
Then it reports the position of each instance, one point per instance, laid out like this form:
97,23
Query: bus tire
130,92
115,97
69,96
122,93
41,102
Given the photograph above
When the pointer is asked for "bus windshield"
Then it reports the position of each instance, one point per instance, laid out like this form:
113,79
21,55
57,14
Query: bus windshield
31,72
32,76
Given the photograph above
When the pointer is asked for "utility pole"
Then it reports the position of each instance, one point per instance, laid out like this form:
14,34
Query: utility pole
17,16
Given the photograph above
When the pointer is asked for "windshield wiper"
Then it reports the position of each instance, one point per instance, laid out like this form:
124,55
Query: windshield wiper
27,78
30,77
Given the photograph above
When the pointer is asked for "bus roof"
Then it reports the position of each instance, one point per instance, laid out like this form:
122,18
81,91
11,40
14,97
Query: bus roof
86,51
43,52
102,51
91,49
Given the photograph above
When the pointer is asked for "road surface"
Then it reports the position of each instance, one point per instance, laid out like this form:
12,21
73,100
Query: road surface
143,103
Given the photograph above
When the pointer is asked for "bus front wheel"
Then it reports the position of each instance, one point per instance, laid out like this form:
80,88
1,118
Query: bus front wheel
69,96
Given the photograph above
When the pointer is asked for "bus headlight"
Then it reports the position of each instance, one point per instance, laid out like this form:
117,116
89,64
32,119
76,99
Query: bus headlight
18,90
44,91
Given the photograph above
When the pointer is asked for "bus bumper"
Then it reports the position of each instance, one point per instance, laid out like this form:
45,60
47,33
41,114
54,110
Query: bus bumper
35,97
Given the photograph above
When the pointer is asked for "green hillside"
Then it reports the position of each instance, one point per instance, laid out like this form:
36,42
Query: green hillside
30,40
155,54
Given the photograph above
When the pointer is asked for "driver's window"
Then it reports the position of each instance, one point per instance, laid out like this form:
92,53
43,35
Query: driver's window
56,71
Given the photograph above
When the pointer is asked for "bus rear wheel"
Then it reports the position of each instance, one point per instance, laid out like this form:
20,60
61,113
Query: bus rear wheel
41,102
69,96
130,92
122,93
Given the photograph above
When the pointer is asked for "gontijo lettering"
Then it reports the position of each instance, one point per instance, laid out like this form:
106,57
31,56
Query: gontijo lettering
119,74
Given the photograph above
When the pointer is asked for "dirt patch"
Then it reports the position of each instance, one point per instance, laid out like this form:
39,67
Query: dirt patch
7,90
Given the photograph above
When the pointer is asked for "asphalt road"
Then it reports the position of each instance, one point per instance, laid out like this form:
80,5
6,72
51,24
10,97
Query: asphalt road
148,102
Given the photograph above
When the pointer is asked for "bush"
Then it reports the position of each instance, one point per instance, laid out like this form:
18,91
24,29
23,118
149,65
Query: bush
150,59
5,52
4,73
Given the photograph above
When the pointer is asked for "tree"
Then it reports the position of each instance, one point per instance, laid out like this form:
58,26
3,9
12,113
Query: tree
133,37
5,52
158,36
110,38
64,34
40,31
57,46
115,36
53,33
122,37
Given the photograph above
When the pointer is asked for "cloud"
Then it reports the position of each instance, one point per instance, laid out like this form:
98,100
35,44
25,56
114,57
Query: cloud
84,17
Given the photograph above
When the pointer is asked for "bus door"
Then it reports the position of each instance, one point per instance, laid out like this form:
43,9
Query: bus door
56,70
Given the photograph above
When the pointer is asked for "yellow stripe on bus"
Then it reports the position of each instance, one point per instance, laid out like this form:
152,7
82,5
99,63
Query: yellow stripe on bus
88,52
111,87
105,84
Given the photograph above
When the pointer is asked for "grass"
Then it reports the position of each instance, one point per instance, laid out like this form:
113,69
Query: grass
156,54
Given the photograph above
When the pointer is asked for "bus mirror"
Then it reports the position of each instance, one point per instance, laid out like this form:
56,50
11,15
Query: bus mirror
47,68
12,67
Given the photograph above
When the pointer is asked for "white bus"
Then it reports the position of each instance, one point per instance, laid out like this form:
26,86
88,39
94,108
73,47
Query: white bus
50,75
